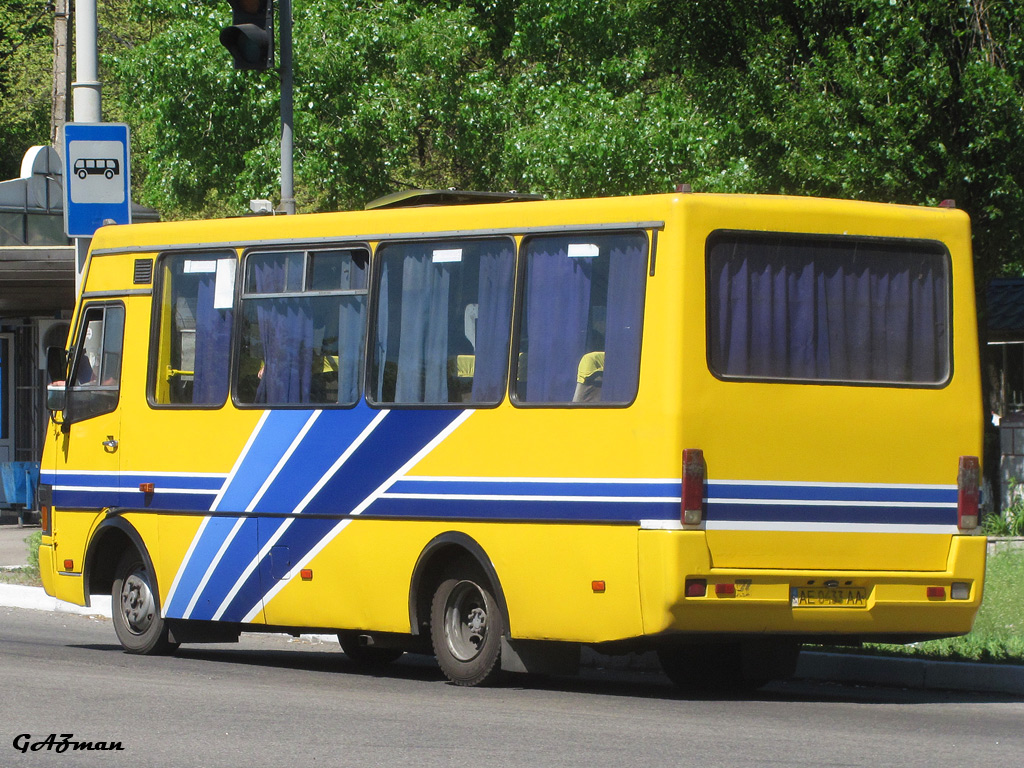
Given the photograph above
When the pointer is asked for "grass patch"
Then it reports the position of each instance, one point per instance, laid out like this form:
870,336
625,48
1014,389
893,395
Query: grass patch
27,576
998,634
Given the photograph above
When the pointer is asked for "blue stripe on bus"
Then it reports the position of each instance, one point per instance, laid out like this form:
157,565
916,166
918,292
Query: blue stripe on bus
238,555
276,435
206,547
830,513
826,493
325,442
523,509
511,486
398,437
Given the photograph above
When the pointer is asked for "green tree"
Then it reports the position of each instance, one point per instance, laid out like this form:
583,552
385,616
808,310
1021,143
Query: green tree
903,102
25,76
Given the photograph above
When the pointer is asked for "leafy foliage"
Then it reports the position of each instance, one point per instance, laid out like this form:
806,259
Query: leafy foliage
25,66
904,102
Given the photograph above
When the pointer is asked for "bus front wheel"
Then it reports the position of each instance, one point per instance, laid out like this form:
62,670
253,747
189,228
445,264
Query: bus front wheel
134,611
466,626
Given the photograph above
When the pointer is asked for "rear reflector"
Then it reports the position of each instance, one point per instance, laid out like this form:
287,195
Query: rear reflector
726,590
694,475
936,593
968,483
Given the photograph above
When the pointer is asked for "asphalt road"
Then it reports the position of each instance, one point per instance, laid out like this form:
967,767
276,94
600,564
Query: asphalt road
271,702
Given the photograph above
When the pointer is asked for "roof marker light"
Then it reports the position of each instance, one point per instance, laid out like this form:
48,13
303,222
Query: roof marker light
306,574
597,586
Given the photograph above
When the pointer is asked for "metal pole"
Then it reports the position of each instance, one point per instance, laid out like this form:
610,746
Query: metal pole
86,88
287,169
86,97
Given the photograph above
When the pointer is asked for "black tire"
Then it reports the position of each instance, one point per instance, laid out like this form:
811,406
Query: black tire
466,626
135,610
730,667
366,656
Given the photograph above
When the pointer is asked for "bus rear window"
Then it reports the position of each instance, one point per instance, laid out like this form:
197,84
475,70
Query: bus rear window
828,309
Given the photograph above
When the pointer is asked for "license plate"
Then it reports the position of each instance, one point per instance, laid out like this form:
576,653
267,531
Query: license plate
829,597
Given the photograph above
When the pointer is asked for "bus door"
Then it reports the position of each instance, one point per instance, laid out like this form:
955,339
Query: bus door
87,467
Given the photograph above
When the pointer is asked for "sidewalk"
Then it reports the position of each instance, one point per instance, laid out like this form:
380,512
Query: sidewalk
13,550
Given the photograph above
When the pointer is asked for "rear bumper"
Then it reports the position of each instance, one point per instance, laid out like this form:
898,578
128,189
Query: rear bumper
896,604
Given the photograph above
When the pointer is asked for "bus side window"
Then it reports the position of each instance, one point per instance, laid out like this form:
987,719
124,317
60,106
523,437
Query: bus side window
581,319
302,325
194,321
96,369
443,322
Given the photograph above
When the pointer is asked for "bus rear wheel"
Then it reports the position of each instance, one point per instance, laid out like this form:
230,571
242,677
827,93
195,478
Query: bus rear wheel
134,611
466,626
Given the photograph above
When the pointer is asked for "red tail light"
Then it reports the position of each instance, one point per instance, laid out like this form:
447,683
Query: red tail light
694,475
968,484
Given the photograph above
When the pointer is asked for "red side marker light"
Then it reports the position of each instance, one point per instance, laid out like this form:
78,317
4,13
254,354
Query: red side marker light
936,593
696,587
69,565
597,586
306,574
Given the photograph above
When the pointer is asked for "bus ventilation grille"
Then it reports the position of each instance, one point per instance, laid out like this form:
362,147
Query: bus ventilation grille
143,271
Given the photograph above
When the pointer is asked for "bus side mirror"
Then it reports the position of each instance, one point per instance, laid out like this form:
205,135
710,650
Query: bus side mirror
56,397
56,364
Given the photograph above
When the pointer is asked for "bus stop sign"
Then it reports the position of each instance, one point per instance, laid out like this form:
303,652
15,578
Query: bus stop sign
97,176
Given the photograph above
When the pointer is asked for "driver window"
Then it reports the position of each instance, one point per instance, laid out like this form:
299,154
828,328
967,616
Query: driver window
96,377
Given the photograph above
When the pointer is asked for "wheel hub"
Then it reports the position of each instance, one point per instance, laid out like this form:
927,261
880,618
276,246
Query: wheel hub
137,605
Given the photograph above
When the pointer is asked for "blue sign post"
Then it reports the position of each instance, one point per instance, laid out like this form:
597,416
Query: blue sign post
97,177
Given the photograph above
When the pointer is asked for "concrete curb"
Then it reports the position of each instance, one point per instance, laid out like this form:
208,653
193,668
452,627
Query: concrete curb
922,674
830,667
885,671
34,598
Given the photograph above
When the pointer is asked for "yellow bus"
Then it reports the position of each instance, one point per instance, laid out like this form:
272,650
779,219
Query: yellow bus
499,430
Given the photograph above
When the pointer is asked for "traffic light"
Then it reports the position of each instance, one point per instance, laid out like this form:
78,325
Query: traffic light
250,38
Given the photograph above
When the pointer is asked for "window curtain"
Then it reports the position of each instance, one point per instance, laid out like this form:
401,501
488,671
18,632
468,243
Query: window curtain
351,322
624,320
422,374
493,323
213,346
828,312
557,310
286,332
